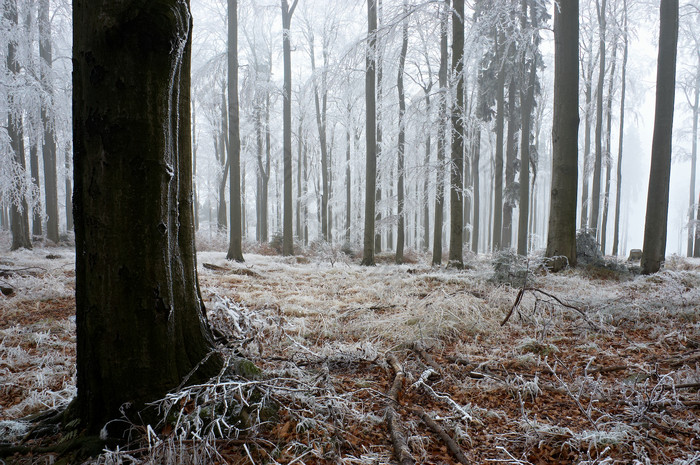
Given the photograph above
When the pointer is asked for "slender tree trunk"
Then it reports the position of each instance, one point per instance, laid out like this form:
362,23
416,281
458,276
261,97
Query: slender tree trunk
402,138
457,157
348,176
225,161
235,248
692,227
597,168
500,117
288,217
442,135
33,138
425,244
618,181
654,251
47,117
476,152
370,135
69,188
587,169
608,150
140,319
527,98
19,211
300,144
511,149
561,237
379,133
37,229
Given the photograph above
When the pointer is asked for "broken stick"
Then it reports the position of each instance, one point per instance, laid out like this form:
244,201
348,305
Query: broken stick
393,419
454,448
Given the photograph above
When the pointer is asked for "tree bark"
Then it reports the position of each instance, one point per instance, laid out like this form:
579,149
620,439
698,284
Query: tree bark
654,250
370,134
288,216
442,135
19,210
511,149
425,244
561,237
235,248
402,138
47,118
618,181
457,156
141,326
597,167
500,109
527,99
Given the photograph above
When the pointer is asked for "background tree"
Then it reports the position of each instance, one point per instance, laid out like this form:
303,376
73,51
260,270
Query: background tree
561,237
400,239
654,250
370,134
442,137
288,220
235,251
457,156
141,327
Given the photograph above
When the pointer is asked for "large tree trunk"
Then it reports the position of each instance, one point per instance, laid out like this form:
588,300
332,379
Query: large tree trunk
47,117
402,138
141,325
288,215
598,165
19,210
655,226
442,135
561,237
457,158
235,250
618,180
370,135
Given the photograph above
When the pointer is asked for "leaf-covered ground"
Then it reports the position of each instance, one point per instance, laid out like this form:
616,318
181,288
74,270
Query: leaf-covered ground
592,366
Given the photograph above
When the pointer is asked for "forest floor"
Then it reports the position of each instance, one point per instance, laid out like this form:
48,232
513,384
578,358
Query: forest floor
592,366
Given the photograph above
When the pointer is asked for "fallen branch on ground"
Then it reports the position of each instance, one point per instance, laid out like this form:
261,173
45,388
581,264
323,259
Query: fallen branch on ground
534,291
393,419
454,448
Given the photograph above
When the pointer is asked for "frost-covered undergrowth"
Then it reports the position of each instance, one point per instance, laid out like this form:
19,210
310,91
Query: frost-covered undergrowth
600,368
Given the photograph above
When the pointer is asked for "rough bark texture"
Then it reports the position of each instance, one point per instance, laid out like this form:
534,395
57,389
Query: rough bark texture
141,327
457,157
654,250
235,250
47,117
561,237
370,135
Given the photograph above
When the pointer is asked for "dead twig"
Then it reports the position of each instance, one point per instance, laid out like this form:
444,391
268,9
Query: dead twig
427,358
453,447
535,290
